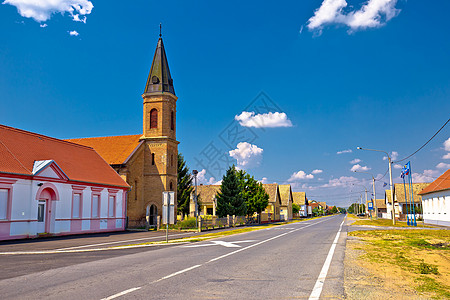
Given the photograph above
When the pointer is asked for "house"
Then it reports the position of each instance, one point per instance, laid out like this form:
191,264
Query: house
314,205
286,202
51,186
272,211
381,208
401,203
207,200
436,201
146,161
300,199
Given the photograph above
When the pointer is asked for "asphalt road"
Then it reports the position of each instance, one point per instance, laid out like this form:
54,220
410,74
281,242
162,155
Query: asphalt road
276,263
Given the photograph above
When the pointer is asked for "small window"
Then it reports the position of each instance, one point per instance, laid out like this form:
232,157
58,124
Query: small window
95,206
172,120
111,206
41,211
135,190
76,205
171,186
154,118
153,158
171,160
3,203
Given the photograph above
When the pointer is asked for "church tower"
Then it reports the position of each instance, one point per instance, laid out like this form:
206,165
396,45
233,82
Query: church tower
159,134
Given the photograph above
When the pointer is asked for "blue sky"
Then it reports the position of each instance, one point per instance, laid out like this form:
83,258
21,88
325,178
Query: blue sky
345,74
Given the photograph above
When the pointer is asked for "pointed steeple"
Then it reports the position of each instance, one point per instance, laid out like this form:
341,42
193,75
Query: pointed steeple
159,79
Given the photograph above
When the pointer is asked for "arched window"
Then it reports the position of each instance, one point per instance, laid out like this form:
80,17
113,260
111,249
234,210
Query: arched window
154,118
171,186
153,158
172,120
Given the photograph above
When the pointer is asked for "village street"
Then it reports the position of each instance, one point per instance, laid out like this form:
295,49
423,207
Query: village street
274,263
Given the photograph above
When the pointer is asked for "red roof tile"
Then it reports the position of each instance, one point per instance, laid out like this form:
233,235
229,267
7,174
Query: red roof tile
19,150
114,149
440,184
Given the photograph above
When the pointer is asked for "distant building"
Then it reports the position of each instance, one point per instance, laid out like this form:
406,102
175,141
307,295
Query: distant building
436,201
207,197
400,201
300,199
381,208
272,211
54,187
286,202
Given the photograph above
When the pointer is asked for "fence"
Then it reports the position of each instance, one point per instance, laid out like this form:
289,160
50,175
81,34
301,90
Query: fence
213,222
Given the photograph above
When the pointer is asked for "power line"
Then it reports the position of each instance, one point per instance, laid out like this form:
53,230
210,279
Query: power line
424,144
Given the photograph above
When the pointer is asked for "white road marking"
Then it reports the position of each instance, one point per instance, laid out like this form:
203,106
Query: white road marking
122,293
317,290
221,243
262,242
118,242
177,273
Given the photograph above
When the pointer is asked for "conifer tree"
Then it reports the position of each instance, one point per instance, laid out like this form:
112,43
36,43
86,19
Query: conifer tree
184,186
229,199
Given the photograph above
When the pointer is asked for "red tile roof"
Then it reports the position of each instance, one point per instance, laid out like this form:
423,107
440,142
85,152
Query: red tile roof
19,150
114,149
440,184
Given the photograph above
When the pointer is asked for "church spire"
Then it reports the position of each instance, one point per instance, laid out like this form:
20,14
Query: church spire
159,79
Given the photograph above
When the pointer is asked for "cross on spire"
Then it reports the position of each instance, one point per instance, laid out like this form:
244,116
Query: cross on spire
160,34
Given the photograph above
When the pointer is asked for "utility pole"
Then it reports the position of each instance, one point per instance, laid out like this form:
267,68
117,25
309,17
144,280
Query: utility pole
390,179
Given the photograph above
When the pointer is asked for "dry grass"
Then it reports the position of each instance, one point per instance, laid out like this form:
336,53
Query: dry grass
409,262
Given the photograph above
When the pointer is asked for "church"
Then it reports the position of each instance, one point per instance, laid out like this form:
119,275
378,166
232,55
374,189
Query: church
147,161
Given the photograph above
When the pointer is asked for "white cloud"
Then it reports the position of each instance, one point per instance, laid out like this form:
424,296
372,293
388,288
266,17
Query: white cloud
316,171
42,10
344,151
394,156
446,156
74,33
202,179
300,175
247,155
443,166
355,161
358,167
447,145
374,13
264,180
426,176
397,166
276,119
43,25
343,181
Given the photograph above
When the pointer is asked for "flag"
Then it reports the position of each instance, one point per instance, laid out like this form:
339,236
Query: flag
406,168
385,184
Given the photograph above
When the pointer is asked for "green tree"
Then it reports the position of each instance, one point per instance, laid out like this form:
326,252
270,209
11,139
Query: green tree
295,208
229,198
255,197
184,186
334,210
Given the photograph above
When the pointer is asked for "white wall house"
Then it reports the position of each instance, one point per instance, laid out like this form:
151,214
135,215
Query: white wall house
436,201
53,187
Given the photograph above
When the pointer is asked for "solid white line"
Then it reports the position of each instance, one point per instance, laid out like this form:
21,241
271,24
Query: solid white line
122,293
118,242
317,290
177,273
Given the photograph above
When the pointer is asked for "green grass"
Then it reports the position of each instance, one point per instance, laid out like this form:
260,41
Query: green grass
400,248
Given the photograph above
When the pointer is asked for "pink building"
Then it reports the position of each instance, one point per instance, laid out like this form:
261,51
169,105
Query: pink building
54,187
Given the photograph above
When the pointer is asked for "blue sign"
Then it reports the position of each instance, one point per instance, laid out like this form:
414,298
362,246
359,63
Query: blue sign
370,205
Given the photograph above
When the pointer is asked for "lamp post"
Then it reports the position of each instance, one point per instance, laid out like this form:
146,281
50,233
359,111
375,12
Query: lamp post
374,193
390,179
195,172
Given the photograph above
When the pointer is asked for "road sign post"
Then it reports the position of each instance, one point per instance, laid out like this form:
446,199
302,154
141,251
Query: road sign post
168,213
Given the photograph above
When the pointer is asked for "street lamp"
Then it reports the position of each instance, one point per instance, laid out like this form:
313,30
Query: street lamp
195,172
374,193
390,179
